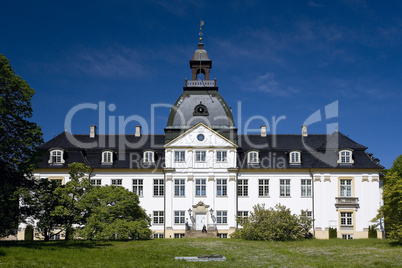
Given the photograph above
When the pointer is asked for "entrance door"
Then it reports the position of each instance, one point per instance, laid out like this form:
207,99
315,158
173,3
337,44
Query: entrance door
200,221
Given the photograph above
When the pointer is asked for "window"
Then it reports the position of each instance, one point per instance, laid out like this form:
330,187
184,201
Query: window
179,187
221,187
200,187
305,187
221,216
345,157
242,188
159,235
117,182
200,156
138,186
178,235
180,156
347,236
56,157
179,217
346,219
223,235
345,188
159,187
96,182
308,214
252,158
263,188
158,217
294,158
149,157
242,215
55,237
284,188
221,156
107,157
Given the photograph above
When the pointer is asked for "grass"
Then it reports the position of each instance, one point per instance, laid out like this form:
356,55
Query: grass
239,253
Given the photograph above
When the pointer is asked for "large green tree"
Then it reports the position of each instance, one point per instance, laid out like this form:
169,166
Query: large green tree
273,224
114,214
19,138
391,211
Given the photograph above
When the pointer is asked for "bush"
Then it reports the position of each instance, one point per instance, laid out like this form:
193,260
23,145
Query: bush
372,233
333,233
28,235
277,224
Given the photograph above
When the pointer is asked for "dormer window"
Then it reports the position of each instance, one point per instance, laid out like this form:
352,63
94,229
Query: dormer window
56,157
294,157
149,157
107,157
345,157
252,157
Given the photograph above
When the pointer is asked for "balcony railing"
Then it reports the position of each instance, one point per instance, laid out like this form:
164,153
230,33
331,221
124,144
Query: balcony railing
201,83
344,202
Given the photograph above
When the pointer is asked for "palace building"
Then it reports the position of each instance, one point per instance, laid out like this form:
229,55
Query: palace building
202,170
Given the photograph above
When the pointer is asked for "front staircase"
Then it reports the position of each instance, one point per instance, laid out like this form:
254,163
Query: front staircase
200,234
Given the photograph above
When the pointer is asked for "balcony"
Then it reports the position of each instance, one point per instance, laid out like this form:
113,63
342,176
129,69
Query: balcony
200,83
346,202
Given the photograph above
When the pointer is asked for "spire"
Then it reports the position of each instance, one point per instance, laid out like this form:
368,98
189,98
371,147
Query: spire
200,63
200,34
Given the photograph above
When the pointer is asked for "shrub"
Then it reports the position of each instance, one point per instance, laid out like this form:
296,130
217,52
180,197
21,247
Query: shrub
28,235
277,224
333,233
372,233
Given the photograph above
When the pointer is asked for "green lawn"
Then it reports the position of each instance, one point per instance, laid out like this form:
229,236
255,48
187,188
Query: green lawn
240,253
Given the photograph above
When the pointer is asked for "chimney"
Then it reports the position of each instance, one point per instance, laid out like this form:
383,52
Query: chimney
92,131
263,131
304,131
137,131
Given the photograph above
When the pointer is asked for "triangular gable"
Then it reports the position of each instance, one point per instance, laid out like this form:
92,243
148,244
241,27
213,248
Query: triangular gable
211,138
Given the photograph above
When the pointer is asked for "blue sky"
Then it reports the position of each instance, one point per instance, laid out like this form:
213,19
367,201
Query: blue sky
270,58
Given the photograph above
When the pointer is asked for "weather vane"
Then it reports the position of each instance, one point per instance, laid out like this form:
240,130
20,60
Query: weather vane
201,24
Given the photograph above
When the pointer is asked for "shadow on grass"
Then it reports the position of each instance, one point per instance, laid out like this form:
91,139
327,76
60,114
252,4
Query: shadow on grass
53,245
395,243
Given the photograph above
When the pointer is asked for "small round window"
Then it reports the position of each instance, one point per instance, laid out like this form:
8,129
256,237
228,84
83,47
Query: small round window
200,137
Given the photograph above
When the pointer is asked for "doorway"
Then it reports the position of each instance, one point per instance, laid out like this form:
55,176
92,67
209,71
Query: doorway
200,221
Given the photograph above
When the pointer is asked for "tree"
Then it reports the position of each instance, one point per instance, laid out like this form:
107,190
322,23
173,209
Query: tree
114,214
69,210
18,141
391,211
38,204
277,224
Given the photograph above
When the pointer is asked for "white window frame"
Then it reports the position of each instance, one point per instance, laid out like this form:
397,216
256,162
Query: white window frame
96,182
221,156
243,214
221,216
221,187
179,156
253,157
107,157
56,157
138,187
345,157
345,188
159,187
346,219
179,216
242,187
263,187
200,187
117,182
295,157
158,235
305,187
179,235
347,236
149,157
179,187
158,217
200,156
284,188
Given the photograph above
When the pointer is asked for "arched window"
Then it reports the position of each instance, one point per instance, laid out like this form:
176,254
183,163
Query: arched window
252,157
294,157
56,156
149,157
345,157
107,157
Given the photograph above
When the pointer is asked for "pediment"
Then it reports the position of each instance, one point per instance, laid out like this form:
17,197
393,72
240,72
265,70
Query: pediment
201,136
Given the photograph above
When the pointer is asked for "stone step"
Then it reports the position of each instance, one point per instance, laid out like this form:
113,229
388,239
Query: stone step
200,234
